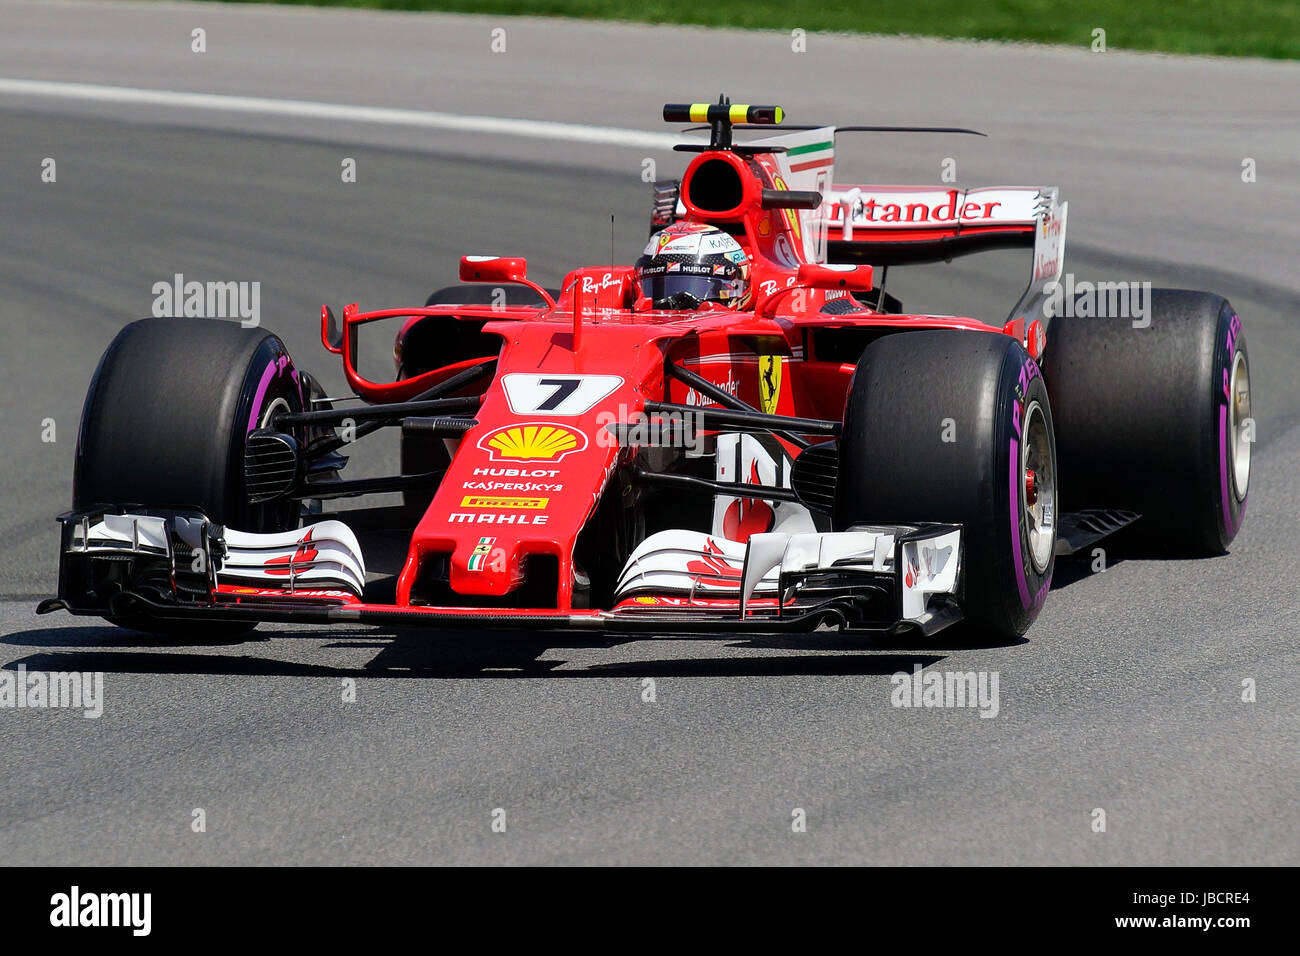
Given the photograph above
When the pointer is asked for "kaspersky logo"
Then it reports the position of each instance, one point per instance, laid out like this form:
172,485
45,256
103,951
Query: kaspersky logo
532,441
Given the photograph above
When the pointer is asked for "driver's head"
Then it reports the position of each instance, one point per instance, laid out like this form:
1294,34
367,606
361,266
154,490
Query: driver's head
690,263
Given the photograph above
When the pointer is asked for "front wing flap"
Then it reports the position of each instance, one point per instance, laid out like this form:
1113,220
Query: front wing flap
112,557
875,577
176,564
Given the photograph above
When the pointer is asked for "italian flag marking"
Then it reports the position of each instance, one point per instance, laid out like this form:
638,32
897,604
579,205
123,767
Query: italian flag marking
811,156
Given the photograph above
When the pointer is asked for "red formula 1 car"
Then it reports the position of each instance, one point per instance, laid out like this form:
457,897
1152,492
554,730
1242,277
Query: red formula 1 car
741,431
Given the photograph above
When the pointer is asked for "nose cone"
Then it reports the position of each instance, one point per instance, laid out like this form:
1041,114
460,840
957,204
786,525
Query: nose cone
491,566
523,483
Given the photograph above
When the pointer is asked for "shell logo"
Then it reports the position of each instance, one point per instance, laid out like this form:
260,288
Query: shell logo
532,441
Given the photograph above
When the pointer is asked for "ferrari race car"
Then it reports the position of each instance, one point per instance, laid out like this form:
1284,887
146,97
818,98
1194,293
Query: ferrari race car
742,432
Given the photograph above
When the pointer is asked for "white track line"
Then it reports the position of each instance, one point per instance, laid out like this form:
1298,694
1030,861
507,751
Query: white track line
533,129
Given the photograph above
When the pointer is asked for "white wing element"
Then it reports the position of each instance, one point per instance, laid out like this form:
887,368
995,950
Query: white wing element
133,533
312,557
681,562
743,459
691,563
850,550
325,555
928,565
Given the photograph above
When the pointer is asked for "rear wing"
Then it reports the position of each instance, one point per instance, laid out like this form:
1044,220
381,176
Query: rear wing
896,225
893,225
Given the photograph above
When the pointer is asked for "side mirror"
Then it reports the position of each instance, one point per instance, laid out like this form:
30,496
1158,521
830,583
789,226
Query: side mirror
493,269
331,335
823,276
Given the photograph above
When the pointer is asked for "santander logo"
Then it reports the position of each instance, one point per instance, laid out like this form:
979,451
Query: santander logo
871,209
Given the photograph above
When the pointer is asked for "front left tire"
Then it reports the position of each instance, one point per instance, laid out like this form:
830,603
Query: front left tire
165,422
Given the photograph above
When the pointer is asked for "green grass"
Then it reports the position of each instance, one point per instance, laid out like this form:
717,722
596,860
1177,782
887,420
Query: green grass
1265,28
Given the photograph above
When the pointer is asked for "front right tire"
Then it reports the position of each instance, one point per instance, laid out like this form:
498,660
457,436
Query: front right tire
956,426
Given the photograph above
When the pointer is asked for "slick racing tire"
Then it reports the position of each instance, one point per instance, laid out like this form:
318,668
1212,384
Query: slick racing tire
165,421
1155,418
956,427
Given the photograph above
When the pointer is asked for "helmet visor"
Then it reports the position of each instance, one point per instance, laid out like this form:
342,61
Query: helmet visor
659,281
704,288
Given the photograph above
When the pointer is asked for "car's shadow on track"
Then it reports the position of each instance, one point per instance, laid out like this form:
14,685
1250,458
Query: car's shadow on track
399,653
1092,562
1073,568
493,655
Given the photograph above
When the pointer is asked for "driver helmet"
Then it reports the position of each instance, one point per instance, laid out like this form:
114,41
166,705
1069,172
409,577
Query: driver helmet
691,263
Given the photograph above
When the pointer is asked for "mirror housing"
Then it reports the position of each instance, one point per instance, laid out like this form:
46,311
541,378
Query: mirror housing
493,269
852,278
331,335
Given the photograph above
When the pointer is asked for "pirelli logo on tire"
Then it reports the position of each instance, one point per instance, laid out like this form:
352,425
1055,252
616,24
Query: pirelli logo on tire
514,504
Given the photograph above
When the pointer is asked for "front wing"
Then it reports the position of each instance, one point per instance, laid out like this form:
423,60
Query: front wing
178,565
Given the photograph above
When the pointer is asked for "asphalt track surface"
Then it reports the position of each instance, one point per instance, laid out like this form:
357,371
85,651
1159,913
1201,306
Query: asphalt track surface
1126,694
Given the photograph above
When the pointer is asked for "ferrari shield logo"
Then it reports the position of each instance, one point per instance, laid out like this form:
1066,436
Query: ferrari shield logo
769,382
479,555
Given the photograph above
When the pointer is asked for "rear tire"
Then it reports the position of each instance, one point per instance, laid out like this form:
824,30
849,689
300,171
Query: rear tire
164,425
1154,419
941,426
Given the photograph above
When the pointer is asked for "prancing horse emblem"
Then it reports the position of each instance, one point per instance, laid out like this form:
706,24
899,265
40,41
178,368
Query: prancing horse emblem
769,382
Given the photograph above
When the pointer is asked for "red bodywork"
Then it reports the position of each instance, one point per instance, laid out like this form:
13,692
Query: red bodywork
555,468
